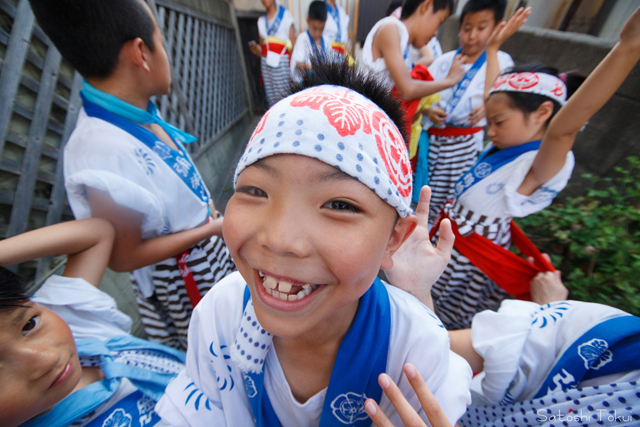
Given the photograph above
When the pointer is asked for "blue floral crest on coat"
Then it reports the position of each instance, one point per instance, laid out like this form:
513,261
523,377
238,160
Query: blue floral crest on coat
119,418
349,407
162,150
482,170
251,387
197,396
595,353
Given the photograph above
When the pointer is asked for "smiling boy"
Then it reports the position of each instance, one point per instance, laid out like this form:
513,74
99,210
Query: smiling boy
299,336
459,117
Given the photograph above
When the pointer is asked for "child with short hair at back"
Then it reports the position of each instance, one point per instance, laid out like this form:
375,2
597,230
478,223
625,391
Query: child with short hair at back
277,32
312,42
67,358
124,163
457,135
299,336
532,127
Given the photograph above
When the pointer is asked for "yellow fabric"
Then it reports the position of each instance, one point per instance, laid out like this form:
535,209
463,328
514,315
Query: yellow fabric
416,126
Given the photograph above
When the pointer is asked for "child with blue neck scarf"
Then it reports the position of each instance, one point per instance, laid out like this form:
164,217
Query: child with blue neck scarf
125,164
312,42
300,335
67,357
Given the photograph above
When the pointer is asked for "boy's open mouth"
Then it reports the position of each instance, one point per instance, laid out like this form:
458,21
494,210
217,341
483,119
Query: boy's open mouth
286,291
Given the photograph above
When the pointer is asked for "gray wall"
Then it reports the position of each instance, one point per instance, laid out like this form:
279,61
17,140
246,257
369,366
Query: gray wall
614,132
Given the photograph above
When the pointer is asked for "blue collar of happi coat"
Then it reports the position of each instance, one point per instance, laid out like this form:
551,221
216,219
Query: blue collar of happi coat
611,347
487,164
121,108
361,358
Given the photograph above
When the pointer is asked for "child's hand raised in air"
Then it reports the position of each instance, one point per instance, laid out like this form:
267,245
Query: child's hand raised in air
631,31
417,264
504,29
409,416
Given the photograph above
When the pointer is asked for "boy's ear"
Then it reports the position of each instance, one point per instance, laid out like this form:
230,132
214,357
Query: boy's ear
138,53
544,112
425,6
401,232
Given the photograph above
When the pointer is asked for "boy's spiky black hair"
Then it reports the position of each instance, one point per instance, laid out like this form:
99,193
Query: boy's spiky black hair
90,33
410,6
317,11
530,102
12,292
334,69
497,6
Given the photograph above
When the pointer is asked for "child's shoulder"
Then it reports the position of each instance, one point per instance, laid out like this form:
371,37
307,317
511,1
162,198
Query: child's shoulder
96,135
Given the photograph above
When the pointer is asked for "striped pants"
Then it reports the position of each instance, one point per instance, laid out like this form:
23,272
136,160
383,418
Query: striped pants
165,315
449,158
462,291
276,79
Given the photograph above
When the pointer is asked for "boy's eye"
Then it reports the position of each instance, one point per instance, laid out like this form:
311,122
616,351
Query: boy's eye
30,325
252,191
341,205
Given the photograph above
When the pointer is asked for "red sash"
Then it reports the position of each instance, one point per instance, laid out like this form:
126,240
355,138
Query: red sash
453,131
511,272
189,282
274,47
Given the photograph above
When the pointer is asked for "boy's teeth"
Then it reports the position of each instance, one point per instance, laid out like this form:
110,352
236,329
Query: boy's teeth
270,282
284,286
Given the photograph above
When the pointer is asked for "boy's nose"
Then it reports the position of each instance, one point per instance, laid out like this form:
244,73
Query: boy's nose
285,233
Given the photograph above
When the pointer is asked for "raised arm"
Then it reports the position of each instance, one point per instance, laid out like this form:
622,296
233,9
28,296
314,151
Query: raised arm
596,90
386,43
87,243
130,251
500,34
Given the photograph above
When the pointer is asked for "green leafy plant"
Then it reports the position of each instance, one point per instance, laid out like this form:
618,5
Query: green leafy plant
594,239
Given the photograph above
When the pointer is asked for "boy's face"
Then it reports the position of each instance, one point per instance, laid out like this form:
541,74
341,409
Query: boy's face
307,238
39,364
431,22
475,31
267,3
316,28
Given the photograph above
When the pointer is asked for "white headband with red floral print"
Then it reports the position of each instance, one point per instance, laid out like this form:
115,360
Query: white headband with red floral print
538,83
342,128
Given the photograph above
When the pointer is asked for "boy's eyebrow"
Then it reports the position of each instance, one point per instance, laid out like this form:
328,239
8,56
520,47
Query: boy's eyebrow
334,175
20,314
260,164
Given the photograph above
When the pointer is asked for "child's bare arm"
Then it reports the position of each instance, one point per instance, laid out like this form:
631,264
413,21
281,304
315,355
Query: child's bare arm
461,344
292,36
386,42
87,243
130,251
500,34
588,99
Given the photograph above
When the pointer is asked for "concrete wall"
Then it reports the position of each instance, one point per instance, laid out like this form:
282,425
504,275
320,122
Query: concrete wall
614,132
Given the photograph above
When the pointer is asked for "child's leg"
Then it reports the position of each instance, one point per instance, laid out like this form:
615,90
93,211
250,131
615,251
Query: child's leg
276,79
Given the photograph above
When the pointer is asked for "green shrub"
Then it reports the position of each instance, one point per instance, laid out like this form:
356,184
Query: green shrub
595,239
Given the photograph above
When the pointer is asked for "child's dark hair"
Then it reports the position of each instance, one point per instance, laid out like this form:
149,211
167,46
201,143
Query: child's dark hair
530,102
90,33
410,6
497,6
12,292
317,11
393,6
334,69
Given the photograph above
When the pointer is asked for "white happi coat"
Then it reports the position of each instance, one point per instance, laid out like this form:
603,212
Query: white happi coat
331,27
303,51
378,66
217,385
474,95
520,344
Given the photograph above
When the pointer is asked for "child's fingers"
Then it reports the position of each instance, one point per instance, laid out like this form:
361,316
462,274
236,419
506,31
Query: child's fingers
422,210
430,405
408,415
446,238
377,416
